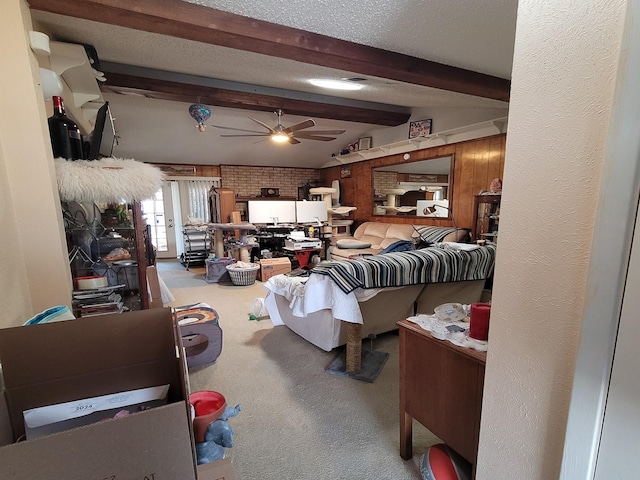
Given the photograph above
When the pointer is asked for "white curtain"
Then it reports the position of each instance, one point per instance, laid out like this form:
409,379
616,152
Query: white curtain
194,199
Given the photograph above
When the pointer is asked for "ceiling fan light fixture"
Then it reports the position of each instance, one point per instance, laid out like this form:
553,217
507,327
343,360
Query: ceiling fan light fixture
280,137
336,84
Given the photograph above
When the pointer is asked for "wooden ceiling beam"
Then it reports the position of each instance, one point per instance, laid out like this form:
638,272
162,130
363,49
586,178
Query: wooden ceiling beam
183,92
203,24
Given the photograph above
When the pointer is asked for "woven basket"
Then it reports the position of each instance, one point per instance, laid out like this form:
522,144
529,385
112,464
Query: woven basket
243,276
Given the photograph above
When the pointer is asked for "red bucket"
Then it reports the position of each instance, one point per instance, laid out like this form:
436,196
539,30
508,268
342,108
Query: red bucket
208,406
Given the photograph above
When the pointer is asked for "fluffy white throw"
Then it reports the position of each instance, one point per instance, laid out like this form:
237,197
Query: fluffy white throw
108,180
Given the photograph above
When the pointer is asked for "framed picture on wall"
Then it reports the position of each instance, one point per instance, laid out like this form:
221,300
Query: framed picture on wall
420,128
345,172
364,143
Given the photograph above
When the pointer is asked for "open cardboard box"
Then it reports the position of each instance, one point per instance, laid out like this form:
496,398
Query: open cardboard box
273,266
75,359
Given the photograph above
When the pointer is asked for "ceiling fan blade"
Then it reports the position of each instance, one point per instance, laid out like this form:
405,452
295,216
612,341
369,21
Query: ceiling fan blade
310,136
263,124
293,141
248,135
300,126
326,132
236,129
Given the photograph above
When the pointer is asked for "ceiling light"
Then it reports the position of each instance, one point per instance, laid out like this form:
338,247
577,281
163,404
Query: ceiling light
280,137
335,84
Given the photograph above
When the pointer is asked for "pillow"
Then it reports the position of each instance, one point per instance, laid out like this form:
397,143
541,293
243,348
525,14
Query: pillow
430,234
352,243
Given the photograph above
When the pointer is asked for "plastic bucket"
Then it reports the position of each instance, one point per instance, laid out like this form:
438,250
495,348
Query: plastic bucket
258,308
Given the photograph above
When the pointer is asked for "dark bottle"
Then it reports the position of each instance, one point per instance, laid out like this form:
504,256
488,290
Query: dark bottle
66,139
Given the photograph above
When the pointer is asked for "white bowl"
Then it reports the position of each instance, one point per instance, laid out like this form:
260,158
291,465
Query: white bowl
91,283
451,312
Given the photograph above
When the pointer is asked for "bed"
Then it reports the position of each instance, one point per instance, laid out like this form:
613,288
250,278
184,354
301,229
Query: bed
351,299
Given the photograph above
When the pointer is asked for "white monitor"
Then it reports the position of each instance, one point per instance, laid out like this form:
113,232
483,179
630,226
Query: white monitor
272,211
311,212
432,208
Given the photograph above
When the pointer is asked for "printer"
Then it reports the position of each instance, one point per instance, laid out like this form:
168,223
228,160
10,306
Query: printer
297,241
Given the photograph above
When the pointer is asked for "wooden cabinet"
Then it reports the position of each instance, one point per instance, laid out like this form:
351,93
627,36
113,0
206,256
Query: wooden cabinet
441,387
486,217
222,201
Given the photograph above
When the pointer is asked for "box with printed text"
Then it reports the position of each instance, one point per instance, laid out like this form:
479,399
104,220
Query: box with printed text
68,361
273,266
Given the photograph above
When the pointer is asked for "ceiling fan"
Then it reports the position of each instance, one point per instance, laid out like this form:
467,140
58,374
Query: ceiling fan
281,134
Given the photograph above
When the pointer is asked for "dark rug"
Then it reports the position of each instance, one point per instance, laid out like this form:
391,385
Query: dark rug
370,368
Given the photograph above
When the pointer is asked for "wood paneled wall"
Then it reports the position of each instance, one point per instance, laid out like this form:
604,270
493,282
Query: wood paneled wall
208,170
476,163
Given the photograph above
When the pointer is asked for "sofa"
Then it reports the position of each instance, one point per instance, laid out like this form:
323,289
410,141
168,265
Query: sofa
379,312
372,238
376,291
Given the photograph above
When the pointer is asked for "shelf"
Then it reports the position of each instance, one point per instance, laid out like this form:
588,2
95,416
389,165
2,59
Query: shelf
81,93
246,199
486,216
455,135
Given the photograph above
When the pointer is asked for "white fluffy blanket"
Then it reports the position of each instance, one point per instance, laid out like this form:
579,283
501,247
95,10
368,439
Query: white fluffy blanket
108,180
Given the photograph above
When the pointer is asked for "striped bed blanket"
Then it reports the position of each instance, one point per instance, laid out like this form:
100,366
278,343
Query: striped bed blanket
435,264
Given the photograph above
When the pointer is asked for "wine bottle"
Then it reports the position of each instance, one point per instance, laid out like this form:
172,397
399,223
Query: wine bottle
66,139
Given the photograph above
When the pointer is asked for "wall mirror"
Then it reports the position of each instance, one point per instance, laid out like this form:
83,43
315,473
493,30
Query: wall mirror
421,188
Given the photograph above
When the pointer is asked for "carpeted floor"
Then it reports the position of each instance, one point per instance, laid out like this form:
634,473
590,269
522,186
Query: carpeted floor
297,421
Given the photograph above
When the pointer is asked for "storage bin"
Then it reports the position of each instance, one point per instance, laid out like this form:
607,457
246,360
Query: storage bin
217,270
243,276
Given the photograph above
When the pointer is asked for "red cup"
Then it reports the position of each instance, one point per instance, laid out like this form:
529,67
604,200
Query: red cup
479,321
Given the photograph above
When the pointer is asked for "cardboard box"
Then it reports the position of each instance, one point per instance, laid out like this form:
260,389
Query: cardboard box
218,470
155,294
74,359
273,266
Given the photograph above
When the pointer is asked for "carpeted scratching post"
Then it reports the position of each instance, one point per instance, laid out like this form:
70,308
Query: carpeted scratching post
354,347
355,363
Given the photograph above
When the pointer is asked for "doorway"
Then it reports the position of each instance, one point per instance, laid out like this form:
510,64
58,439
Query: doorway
160,216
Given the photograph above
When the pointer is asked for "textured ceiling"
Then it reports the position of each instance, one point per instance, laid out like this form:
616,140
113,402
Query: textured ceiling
461,34
474,35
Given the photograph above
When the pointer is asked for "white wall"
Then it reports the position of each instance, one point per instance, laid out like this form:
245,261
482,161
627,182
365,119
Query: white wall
34,269
565,62
444,118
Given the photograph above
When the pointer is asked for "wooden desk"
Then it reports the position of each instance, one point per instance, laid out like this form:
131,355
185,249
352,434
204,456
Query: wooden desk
441,387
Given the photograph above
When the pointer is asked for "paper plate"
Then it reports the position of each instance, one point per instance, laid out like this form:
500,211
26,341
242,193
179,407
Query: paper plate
451,312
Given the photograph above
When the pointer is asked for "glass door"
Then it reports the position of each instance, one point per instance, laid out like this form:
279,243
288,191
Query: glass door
159,213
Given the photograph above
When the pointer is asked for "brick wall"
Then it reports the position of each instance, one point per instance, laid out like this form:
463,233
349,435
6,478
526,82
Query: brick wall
384,181
247,181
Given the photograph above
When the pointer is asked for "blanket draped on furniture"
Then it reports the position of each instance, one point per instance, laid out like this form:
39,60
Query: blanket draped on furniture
428,265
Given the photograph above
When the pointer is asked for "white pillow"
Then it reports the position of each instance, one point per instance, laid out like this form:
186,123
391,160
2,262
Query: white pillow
352,243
